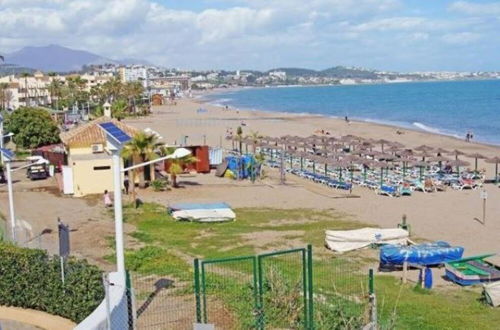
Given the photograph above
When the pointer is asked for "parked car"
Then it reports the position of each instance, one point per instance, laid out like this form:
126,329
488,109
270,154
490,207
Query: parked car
37,172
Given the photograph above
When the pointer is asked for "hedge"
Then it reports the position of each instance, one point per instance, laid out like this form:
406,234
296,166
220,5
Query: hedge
31,279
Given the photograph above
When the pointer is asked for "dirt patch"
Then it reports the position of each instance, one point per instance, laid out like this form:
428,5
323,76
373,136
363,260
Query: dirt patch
284,222
263,240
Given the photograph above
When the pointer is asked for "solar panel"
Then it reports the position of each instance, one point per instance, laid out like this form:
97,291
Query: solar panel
7,153
116,133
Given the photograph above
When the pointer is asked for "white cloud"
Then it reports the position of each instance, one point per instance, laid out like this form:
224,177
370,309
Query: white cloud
462,38
251,33
476,9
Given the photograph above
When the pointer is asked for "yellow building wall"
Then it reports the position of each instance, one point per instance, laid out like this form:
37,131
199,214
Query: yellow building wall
89,179
81,151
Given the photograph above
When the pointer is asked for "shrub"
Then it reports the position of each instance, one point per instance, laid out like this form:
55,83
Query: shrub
159,185
31,279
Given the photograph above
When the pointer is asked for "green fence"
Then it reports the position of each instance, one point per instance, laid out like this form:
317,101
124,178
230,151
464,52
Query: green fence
272,290
281,290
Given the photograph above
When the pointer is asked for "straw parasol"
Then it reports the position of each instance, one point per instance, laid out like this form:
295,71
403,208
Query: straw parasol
476,156
424,154
380,165
456,153
439,160
441,151
494,160
383,142
458,163
424,147
421,165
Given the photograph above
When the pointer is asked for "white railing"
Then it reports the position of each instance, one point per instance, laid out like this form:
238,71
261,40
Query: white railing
112,312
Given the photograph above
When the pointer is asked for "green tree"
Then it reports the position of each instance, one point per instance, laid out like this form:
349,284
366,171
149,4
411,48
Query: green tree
33,127
5,95
177,165
141,148
239,138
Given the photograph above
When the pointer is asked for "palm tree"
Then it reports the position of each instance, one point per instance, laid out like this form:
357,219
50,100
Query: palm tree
177,165
55,91
239,138
3,95
254,137
141,148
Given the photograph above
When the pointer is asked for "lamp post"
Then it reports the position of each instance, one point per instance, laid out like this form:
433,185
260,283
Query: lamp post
116,140
9,156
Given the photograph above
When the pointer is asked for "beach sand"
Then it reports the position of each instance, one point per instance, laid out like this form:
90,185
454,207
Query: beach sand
435,216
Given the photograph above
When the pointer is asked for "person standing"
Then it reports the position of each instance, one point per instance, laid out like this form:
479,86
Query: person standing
107,199
126,183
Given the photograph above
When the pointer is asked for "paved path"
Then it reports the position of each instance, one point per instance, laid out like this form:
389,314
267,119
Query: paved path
29,319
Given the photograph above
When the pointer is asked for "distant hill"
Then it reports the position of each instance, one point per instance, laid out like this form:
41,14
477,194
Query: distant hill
58,59
344,72
296,72
334,72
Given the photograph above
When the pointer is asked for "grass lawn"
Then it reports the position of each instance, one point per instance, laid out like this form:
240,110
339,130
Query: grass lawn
169,248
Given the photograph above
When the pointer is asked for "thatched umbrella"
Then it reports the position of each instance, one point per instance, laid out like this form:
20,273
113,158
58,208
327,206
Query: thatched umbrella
476,156
380,165
458,163
383,142
456,153
421,165
405,161
440,151
439,160
424,154
495,160
423,147
365,163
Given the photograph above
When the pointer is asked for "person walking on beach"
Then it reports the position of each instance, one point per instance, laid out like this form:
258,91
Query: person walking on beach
126,183
467,137
107,199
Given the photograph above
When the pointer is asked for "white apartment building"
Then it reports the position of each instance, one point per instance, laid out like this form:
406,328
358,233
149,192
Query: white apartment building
134,73
27,91
280,75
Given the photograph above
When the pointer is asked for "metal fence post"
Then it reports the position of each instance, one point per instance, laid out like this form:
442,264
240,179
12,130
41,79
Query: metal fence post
310,286
197,289
106,297
373,300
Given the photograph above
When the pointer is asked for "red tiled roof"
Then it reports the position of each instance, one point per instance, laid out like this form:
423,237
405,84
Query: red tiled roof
90,133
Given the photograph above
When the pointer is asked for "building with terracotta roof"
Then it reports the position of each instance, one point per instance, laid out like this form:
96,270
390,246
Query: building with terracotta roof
89,169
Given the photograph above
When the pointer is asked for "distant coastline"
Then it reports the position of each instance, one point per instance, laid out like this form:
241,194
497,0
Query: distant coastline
214,97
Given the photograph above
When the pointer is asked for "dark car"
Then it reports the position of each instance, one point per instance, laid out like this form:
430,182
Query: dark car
37,172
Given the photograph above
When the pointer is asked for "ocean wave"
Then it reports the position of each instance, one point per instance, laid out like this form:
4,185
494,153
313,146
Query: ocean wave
426,128
435,130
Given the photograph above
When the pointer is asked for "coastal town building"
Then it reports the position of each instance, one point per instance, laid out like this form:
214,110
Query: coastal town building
134,73
26,90
89,168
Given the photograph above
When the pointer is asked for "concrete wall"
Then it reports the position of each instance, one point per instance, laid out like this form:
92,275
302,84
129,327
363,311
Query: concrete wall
90,176
118,308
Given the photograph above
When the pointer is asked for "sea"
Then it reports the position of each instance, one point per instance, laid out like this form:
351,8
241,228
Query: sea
446,107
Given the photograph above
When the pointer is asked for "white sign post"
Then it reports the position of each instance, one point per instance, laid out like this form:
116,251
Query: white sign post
484,197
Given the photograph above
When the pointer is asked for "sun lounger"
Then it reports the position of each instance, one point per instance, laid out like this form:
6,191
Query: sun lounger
386,190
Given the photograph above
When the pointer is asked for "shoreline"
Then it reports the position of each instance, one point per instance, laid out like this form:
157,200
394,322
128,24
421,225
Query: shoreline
303,115
411,126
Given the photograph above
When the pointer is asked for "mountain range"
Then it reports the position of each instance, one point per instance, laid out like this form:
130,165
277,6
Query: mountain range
59,59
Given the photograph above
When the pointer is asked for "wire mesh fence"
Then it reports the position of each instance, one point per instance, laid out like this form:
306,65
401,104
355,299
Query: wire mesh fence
281,290
162,301
341,299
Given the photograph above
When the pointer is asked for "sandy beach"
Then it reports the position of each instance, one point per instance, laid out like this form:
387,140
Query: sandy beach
435,216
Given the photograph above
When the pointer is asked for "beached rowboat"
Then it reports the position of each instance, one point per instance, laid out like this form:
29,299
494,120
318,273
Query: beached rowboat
473,270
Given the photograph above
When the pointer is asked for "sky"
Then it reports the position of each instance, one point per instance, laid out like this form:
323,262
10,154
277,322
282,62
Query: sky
396,35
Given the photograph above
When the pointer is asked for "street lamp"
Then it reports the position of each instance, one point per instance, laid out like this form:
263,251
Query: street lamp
116,139
8,155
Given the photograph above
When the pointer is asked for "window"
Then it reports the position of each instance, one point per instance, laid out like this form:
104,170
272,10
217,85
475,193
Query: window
102,168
